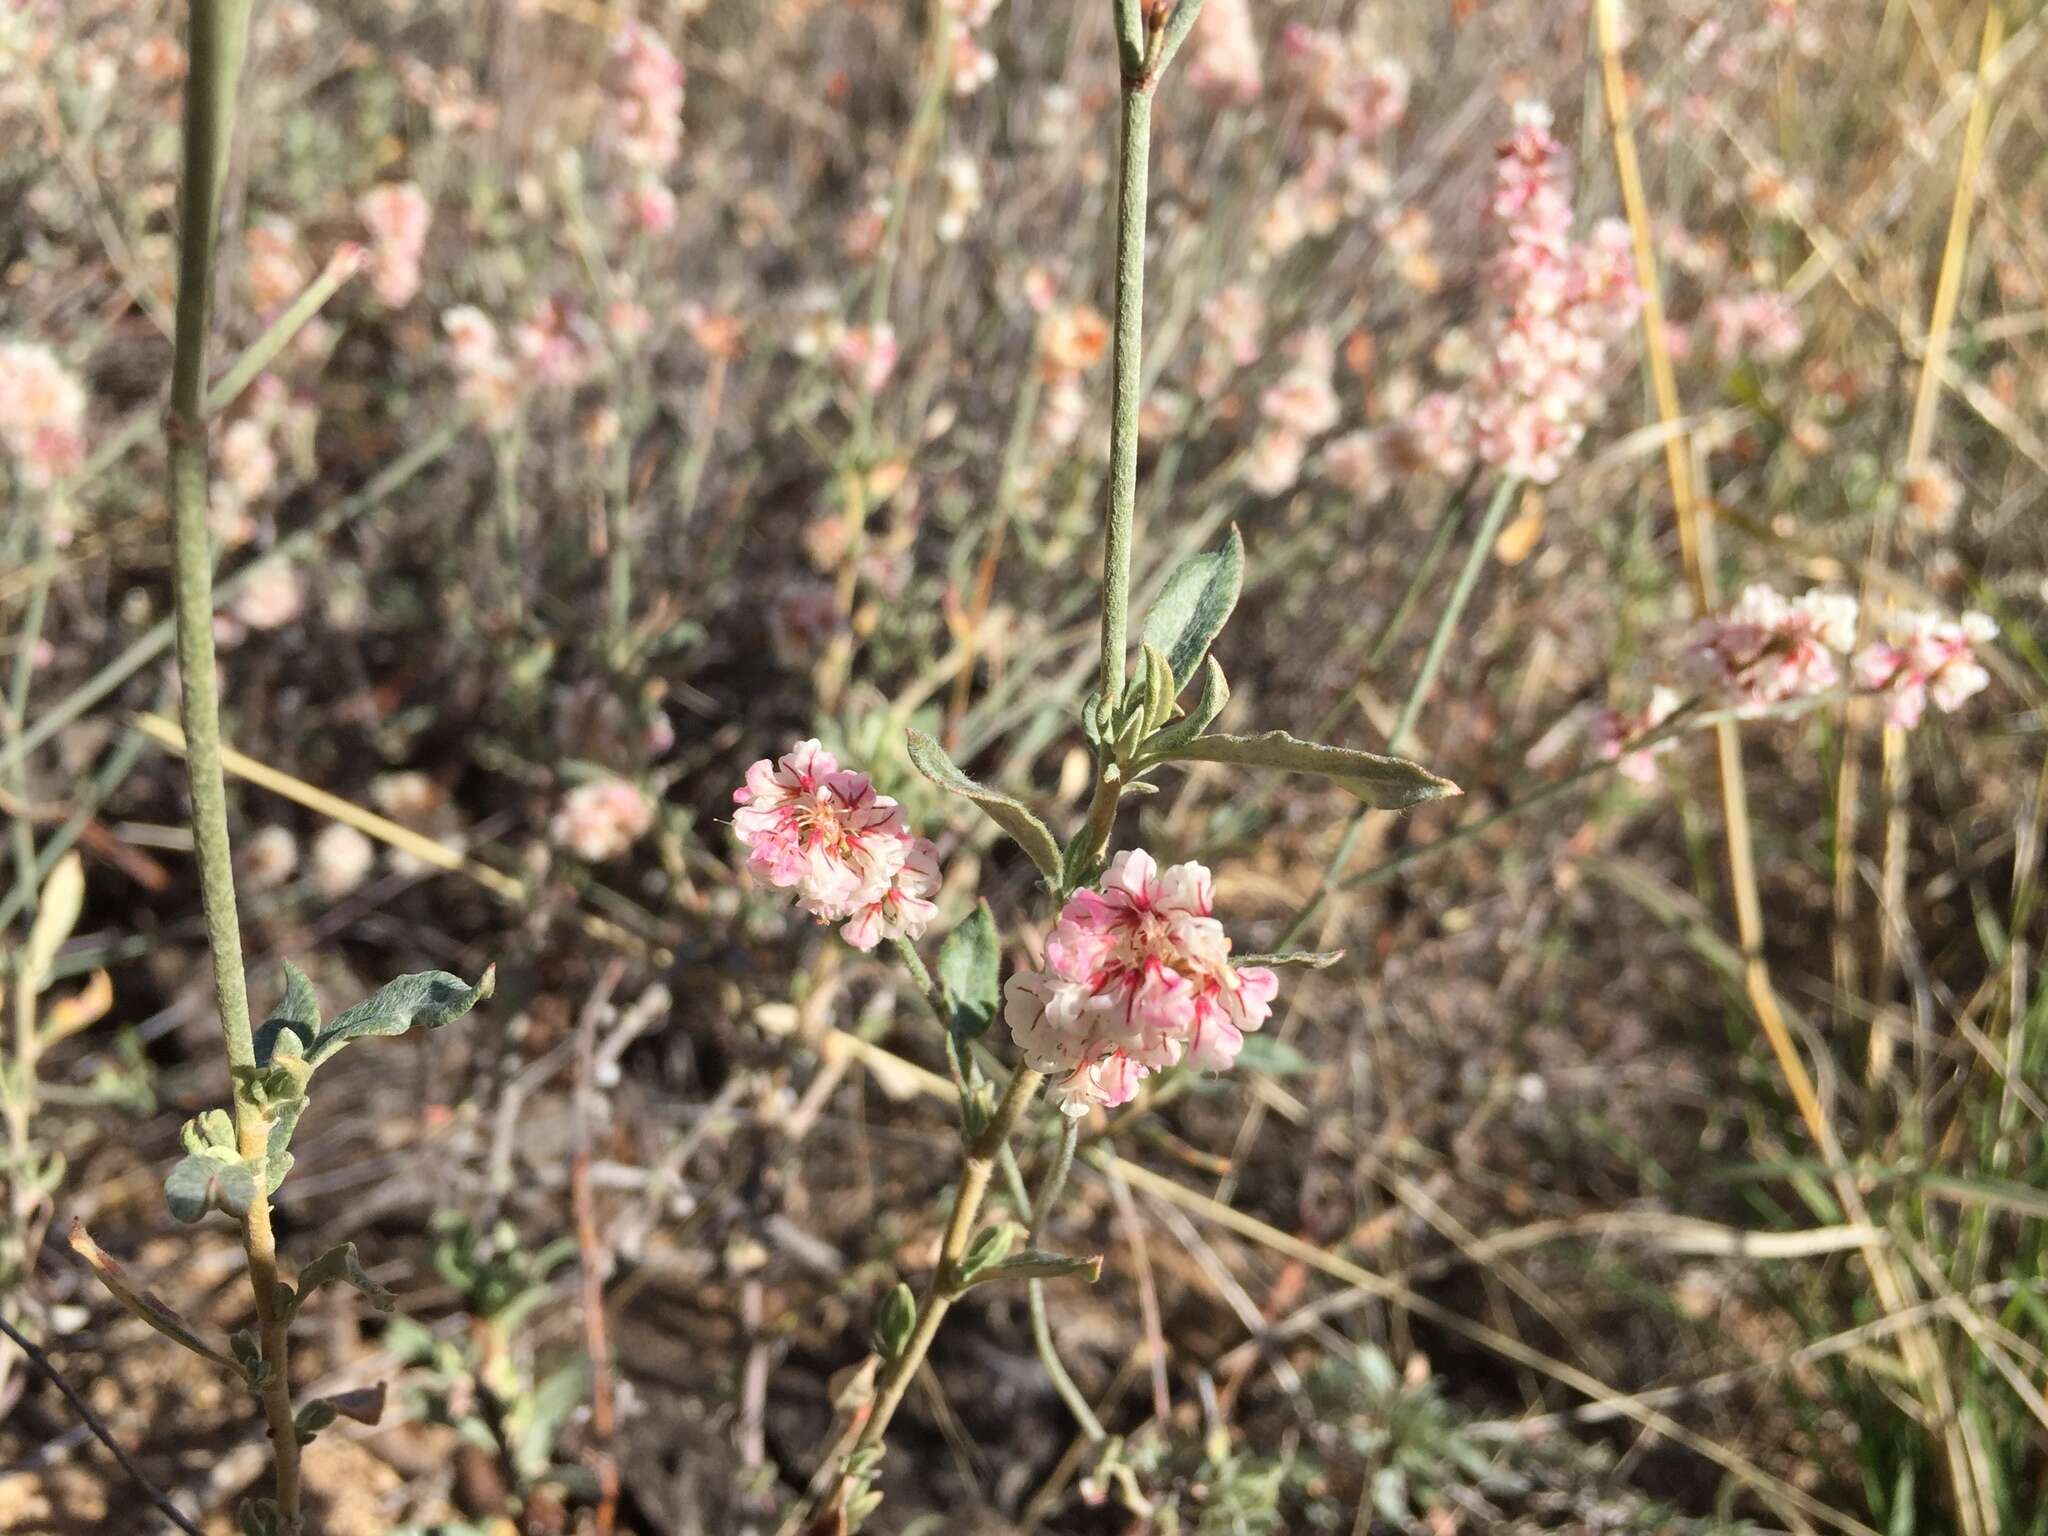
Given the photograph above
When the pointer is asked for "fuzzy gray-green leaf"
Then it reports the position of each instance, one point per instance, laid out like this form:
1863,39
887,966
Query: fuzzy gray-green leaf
970,973
426,998
1006,811
1037,1264
340,1265
201,1181
277,1160
1194,605
1312,959
1390,783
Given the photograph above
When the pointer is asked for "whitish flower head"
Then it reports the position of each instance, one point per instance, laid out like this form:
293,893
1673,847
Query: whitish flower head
1926,656
42,414
274,597
1071,340
1137,978
342,859
601,819
1766,650
397,216
1222,56
824,833
1302,402
1273,463
269,859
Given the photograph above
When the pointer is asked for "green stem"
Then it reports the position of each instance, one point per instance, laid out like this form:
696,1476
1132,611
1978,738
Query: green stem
1126,362
218,35
944,1286
31,632
1425,680
1041,1324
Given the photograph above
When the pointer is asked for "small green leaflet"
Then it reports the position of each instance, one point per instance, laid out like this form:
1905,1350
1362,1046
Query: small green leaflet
970,973
1167,741
200,1181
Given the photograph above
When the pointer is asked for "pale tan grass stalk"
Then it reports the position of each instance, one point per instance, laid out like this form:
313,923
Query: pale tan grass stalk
1968,1477
1919,441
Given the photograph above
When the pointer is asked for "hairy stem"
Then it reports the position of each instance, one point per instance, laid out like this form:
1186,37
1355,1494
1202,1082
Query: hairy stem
218,35
1125,363
944,1286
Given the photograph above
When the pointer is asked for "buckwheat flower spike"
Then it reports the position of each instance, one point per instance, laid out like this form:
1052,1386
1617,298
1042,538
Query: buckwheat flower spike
1137,979
1767,650
42,414
1929,656
823,832
601,819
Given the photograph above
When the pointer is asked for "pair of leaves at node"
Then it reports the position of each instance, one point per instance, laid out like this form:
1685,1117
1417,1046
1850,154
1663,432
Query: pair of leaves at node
213,1174
987,1259
1138,733
1192,608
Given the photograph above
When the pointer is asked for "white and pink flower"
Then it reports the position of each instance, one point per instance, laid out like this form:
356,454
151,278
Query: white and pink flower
42,414
1617,735
1928,656
1768,650
397,216
823,832
601,819
1137,978
646,99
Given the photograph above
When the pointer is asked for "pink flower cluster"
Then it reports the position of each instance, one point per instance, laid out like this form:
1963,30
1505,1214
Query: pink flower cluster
1563,303
1222,55
42,414
601,818
397,215
1927,656
1768,650
1344,83
1137,979
485,379
1763,323
810,827
646,99
554,347
1301,407
973,66
1616,734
